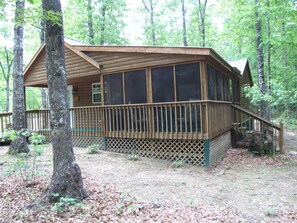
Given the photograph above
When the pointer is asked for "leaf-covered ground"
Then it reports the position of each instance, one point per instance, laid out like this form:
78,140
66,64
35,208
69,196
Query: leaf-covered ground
242,188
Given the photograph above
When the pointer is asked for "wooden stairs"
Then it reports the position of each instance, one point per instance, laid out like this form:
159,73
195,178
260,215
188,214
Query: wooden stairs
249,127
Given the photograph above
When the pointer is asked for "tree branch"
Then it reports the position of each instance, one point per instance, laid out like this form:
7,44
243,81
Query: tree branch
145,6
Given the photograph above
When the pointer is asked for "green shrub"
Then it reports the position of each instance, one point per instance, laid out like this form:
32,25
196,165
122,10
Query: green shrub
65,202
133,156
93,149
178,163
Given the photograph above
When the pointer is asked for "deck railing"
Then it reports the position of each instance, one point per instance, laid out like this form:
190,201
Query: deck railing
5,121
172,120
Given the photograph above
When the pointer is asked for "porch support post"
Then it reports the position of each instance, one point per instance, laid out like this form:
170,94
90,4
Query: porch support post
25,106
203,81
281,138
207,153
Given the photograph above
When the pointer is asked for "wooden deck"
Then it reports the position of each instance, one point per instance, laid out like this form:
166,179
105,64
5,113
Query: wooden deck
195,120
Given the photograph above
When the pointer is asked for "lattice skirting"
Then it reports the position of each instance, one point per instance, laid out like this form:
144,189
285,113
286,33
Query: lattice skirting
85,141
190,151
218,148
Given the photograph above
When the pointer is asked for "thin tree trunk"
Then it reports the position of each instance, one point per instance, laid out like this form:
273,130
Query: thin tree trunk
102,29
261,79
66,180
43,90
19,145
202,10
44,98
151,11
7,95
6,75
285,55
185,41
268,60
90,22
152,15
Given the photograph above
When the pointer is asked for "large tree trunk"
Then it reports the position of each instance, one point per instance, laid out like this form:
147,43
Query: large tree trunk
90,22
66,180
102,28
184,23
19,145
261,79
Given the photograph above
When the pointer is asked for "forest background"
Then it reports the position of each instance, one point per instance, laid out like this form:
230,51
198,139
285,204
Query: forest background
234,28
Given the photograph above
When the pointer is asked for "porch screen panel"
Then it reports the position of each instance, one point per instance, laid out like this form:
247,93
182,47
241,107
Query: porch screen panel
219,85
236,94
188,82
163,84
211,82
226,88
135,87
113,89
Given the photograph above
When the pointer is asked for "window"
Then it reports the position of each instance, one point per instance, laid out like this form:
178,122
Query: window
113,89
163,84
96,93
211,82
135,87
187,82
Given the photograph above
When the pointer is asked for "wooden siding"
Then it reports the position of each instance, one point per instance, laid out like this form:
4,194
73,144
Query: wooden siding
82,95
118,62
76,67
244,101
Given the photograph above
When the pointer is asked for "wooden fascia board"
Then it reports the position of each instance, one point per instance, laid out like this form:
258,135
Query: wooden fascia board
82,55
145,49
34,58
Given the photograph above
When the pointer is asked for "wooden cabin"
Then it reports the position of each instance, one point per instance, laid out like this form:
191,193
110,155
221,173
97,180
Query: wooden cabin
246,80
171,103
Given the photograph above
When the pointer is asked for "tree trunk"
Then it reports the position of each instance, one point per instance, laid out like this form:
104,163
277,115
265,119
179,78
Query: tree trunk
43,90
102,29
152,22
19,145
6,72
7,95
268,61
44,98
184,23
202,9
66,180
261,79
151,12
90,22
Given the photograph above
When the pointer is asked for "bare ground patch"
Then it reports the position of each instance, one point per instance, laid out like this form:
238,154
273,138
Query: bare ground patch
242,188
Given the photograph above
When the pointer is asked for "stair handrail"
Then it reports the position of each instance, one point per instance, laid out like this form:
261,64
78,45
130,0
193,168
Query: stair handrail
278,127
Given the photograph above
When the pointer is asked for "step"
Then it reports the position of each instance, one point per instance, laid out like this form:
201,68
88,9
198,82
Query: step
235,126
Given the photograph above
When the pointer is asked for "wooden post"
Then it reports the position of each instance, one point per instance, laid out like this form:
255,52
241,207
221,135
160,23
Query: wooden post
281,138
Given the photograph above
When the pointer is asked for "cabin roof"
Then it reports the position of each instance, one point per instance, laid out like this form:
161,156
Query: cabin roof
243,66
239,64
85,53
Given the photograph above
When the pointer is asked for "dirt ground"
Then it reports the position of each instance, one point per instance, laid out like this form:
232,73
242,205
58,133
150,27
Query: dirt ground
258,189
